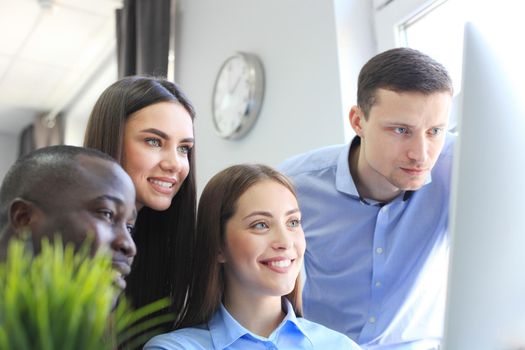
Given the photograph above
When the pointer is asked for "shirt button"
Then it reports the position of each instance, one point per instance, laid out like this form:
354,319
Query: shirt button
372,319
379,250
378,284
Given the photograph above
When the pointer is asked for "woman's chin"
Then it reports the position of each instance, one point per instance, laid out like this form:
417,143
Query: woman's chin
157,205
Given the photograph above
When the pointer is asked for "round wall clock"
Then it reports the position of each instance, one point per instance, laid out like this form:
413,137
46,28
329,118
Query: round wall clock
237,95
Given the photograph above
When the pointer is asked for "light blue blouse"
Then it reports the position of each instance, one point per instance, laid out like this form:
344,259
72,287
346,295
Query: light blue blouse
224,332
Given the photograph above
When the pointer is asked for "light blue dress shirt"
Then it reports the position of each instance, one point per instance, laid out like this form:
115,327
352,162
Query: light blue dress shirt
224,332
376,273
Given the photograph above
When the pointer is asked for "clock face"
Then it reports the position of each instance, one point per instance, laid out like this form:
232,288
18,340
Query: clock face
237,95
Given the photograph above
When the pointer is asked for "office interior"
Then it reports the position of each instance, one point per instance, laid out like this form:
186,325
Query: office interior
57,56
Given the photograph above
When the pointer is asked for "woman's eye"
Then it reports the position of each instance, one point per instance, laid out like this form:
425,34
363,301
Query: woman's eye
130,228
153,142
294,223
184,149
260,226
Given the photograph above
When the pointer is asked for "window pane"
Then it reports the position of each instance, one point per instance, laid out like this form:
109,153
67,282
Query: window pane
438,32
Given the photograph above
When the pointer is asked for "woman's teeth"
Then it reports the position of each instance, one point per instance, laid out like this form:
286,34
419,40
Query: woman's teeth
280,263
161,183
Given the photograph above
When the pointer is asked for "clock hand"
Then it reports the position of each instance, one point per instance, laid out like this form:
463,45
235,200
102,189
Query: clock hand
235,84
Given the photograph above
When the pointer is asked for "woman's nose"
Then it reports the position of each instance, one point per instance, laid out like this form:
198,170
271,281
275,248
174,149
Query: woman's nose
170,161
282,239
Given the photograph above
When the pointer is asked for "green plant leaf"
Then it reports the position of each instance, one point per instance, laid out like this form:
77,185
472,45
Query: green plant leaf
64,298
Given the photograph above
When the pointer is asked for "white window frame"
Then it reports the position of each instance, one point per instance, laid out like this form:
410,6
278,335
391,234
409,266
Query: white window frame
390,14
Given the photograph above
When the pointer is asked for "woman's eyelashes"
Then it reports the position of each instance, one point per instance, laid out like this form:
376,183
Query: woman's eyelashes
265,225
295,222
158,143
185,149
153,141
259,225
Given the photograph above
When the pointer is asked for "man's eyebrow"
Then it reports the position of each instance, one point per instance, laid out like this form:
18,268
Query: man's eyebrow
111,198
441,125
398,124
405,125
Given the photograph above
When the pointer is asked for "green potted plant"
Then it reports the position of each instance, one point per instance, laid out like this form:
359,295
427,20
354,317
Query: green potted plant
65,299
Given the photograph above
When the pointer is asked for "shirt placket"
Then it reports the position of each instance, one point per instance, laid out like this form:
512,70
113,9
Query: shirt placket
378,272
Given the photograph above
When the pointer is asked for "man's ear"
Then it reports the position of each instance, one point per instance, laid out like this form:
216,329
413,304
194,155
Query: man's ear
22,214
356,117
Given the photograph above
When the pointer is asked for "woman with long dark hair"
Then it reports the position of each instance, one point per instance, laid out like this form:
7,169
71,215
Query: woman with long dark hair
146,124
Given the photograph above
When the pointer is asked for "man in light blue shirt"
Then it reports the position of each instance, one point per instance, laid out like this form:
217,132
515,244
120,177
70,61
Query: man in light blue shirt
224,332
375,212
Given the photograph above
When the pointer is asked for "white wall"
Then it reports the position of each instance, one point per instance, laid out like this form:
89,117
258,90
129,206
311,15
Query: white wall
8,152
77,114
305,46
297,41
356,43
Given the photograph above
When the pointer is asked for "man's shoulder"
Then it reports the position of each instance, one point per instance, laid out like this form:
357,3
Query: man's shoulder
312,161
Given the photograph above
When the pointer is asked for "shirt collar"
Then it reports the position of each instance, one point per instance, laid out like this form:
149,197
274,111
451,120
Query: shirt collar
343,178
225,330
291,319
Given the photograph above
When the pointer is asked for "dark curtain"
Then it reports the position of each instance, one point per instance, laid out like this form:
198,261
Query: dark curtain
27,142
143,35
41,133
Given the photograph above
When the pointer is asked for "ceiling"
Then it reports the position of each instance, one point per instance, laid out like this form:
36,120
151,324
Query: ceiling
48,51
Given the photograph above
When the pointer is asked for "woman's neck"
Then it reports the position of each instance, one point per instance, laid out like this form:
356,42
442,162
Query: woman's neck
260,316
